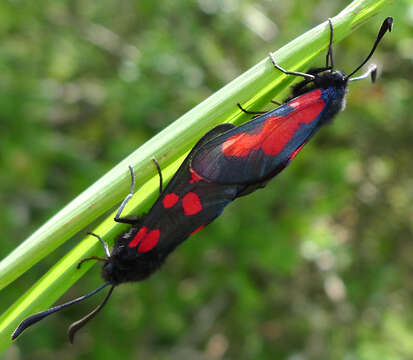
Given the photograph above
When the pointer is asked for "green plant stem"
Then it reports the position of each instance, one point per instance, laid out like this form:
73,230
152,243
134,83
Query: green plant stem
253,89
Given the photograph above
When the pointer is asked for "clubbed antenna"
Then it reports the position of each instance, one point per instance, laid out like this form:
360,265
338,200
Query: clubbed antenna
82,322
33,319
330,56
386,26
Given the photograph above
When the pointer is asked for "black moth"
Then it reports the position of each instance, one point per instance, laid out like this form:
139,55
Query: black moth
194,198
184,207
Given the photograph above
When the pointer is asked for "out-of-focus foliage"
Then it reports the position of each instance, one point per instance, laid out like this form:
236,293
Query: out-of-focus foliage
316,266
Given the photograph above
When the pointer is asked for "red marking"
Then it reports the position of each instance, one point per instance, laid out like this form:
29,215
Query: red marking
147,239
150,240
170,200
195,176
138,237
296,151
306,99
197,229
276,131
191,204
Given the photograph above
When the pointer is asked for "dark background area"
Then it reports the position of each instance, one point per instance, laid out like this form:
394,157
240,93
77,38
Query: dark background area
316,266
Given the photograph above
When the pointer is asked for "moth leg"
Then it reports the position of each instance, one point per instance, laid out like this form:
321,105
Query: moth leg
130,220
79,264
276,102
315,71
296,73
250,112
127,220
105,246
158,168
297,87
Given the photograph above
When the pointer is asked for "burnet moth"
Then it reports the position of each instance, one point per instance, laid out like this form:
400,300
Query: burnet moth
184,207
226,163
256,151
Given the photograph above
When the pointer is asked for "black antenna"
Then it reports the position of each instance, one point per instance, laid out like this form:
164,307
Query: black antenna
329,55
33,319
386,26
82,322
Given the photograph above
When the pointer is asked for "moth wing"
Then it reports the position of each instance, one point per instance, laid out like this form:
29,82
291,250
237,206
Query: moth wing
261,148
186,205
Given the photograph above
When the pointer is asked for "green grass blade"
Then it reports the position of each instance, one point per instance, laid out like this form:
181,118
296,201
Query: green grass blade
64,274
254,88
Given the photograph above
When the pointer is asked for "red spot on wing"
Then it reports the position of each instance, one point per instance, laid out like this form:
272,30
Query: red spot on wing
191,204
195,176
138,237
170,200
277,131
147,239
197,229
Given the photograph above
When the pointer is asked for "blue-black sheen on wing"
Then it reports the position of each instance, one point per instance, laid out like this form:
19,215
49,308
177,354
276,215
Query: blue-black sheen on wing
259,149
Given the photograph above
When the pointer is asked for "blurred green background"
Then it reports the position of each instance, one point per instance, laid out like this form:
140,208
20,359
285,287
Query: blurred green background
316,266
